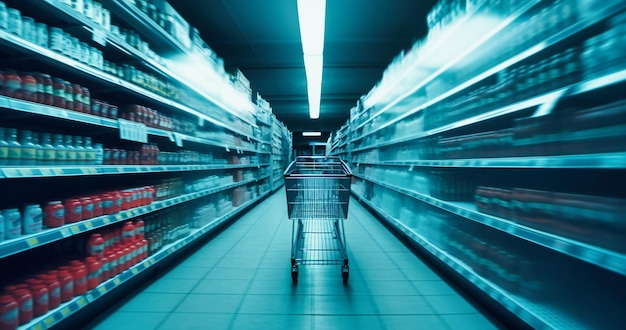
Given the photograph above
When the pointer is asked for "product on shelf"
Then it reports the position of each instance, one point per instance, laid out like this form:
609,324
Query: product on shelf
591,219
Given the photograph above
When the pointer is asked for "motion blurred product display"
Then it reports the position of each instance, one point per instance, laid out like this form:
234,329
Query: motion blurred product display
496,144
153,156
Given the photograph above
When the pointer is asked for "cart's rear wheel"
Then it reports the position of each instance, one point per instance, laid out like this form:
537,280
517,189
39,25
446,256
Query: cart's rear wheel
294,274
345,273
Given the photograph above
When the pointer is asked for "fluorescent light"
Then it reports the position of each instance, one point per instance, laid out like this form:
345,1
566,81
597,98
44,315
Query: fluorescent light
315,95
313,65
312,16
310,134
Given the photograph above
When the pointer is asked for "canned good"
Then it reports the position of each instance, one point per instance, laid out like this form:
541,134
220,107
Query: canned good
28,29
41,32
14,21
4,16
56,39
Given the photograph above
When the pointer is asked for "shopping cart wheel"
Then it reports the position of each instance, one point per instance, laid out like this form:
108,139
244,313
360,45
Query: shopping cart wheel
345,273
294,274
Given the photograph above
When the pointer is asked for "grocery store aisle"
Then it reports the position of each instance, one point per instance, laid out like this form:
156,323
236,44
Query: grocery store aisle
241,280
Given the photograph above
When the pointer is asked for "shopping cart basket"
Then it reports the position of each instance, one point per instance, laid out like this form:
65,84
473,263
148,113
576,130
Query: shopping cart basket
318,191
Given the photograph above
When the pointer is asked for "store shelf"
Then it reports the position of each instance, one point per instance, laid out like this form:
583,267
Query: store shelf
564,35
86,170
27,242
600,257
575,89
615,160
536,316
464,52
51,111
145,26
94,74
74,306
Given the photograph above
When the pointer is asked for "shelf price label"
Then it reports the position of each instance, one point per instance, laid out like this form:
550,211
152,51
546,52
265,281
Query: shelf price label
132,131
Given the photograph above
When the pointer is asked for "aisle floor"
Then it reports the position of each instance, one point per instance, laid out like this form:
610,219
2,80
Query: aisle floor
241,280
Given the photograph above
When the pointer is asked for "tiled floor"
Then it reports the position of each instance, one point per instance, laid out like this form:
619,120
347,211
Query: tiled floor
241,280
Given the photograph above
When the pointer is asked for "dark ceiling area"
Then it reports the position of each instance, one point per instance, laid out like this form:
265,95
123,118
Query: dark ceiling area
262,39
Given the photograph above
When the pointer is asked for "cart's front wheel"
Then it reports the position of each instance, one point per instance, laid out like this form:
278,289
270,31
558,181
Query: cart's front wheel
294,274
345,273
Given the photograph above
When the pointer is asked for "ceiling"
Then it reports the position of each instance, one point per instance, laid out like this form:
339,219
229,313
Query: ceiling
262,39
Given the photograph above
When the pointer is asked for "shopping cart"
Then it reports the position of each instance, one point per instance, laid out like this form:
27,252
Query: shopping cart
318,191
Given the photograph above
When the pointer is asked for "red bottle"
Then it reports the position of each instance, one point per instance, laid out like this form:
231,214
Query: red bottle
9,313
40,299
139,229
87,207
104,270
128,232
93,272
108,204
127,202
66,279
95,246
54,214
112,269
79,273
97,206
54,291
74,210
117,201
121,260
25,304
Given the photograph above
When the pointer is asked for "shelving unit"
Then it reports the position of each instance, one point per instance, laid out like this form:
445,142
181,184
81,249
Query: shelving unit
514,100
222,152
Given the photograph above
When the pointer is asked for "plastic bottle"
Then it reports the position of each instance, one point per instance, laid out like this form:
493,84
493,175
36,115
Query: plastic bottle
139,229
128,232
4,147
90,152
60,151
97,206
47,149
29,151
9,313
79,272
71,156
54,214
87,207
40,299
12,223
54,290
73,210
14,154
32,219
93,272
80,150
99,154
4,16
95,246
25,304
39,151
66,279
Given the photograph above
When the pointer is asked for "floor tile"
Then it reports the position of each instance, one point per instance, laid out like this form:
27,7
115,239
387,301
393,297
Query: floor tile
195,321
392,288
341,322
450,304
169,285
429,322
185,272
254,321
222,286
231,273
276,304
408,305
153,302
468,322
436,287
280,287
209,303
131,321
343,305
